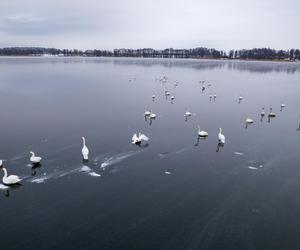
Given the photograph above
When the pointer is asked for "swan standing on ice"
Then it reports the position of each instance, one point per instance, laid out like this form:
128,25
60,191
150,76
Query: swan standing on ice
263,112
153,97
202,133
187,113
147,113
152,115
271,113
240,98
172,97
137,139
215,96
35,159
85,150
221,137
249,120
282,106
9,179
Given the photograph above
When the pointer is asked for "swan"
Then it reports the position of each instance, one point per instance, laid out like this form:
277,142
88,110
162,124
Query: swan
215,96
282,105
85,150
153,96
35,159
249,120
137,139
240,98
147,113
202,133
152,115
188,113
221,137
172,97
167,92
271,113
210,96
263,112
11,179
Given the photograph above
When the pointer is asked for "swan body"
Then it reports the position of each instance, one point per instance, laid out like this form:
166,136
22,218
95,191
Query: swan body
202,133
85,150
152,115
215,96
263,112
35,159
221,137
147,113
240,98
10,179
172,97
167,92
249,120
188,113
282,105
137,139
271,113
153,96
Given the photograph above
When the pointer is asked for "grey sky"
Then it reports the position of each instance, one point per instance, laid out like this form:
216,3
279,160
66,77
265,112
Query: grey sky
85,24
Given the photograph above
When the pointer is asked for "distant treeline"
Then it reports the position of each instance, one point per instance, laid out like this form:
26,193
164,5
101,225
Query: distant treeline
209,53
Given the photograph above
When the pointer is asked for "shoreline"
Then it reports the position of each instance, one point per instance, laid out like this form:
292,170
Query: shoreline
132,57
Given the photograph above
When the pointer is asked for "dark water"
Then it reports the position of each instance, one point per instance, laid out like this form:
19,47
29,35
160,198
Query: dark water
244,195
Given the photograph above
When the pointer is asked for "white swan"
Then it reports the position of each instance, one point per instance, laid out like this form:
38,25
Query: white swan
249,120
172,97
35,159
271,113
188,113
152,115
137,139
240,98
153,96
10,179
221,137
167,92
147,113
263,112
215,96
202,133
85,150
282,105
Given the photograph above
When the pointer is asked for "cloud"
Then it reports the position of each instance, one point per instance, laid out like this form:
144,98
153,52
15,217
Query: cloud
223,24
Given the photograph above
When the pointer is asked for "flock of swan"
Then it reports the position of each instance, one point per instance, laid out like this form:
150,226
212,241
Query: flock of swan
138,138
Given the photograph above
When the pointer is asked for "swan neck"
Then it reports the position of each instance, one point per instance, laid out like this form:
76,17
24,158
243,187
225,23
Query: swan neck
83,141
5,173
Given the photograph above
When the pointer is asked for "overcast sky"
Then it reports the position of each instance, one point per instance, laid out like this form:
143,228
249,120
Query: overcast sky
84,24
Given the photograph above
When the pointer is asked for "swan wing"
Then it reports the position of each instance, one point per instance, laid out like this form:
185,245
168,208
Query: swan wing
144,137
85,151
134,138
12,179
36,159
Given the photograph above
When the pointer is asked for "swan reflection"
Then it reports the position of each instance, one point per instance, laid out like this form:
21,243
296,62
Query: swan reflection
220,145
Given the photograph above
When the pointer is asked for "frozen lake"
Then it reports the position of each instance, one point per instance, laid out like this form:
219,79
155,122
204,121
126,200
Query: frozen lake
177,192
